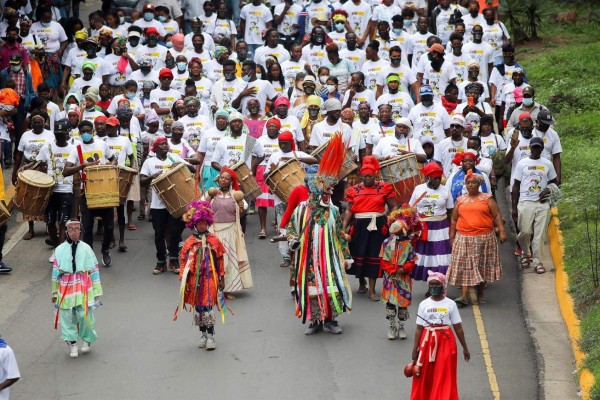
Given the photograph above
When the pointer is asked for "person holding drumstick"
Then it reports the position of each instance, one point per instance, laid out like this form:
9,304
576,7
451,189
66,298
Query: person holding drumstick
92,152
401,143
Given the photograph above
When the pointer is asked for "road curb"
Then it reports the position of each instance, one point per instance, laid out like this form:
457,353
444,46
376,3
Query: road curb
566,303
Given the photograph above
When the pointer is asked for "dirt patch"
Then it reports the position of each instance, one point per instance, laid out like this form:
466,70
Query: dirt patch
532,48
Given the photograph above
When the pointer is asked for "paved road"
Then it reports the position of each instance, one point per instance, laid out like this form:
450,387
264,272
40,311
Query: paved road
261,353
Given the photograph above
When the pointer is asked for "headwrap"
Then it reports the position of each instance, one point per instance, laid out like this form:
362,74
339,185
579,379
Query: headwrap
312,100
158,141
348,113
235,115
218,51
73,108
145,62
151,30
339,15
148,85
474,87
194,60
221,112
332,105
9,97
432,170
473,175
437,276
234,181
123,61
178,124
191,100
106,31
168,120
459,157
392,78
405,221
124,112
82,34
90,65
287,136
91,94
281,100
273,121
406,122
151,116
370,165
197,211
69,95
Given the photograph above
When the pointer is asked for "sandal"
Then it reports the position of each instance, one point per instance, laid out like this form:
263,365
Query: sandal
122,248
374,299
262,234
525,262
131,227
362,290
29,235
539,269
461,302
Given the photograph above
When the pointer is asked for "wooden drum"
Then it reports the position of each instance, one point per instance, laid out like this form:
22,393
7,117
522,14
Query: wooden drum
126,177
285,178
102,186
247,181
4,214
403,172
33,192
176,188
347,167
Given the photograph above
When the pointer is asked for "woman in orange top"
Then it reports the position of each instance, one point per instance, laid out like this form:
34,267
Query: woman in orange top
474,260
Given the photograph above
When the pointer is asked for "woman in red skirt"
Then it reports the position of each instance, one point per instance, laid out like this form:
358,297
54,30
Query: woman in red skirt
434,351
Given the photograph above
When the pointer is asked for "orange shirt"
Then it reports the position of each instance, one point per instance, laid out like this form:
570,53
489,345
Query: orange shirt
474,215
483,4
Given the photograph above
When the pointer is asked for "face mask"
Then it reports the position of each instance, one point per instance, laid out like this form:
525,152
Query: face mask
319,39
528,101
146,95
339,27
313,113
169,46
91,52
134,42
427,102
15,68
395,61
246,78
436,290
130,95
181,66
193,113
145,71
162,18
397,31
330,88
170,63
477,37
542,127
407,23
242,54
323,79
258,76
473,74
148,16
121,20
456,49
309,89
11,39
46,24
86,137
527,133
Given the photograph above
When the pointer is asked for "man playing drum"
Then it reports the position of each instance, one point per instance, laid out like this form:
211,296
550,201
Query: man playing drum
400,143
92,152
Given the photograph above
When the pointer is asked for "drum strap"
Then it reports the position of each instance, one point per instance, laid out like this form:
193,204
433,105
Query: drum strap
80,154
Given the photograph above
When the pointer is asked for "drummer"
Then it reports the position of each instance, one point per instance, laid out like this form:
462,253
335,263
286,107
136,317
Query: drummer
29,146
55,156
287,151
208,143
152,168
400,143
123,150
92,152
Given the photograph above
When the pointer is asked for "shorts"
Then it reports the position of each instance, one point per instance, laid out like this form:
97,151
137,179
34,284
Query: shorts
59,208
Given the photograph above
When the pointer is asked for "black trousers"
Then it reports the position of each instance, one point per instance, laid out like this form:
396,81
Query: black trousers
3,230
87,220
161,219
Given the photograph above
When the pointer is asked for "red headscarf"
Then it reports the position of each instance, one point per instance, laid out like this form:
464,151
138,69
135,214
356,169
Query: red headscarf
286,136
370,165
459,157
234,181
158,141
275,121
432,170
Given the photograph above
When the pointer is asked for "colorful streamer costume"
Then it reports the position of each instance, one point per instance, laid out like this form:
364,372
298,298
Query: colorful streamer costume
397,262
202,273
321,250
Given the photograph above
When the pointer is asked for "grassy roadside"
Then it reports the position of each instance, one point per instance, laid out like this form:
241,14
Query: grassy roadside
562,68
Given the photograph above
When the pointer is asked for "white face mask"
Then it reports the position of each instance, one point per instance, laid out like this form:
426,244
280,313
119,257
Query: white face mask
323,79
330,88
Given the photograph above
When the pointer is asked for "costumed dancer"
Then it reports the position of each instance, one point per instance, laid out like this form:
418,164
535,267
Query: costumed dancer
228,204
75,290
321,249
202,273
434,351
397,262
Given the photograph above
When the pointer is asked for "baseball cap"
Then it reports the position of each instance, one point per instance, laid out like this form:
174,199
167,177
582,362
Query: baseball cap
151,31
545,117
112,121
426,90
436,47
457,119
529,91
15,59
165,72
61,126
148,7
536,141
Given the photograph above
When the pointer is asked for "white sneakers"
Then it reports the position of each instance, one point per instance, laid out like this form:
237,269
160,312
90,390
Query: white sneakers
73,350
402,333
392,331
85,348
207,342
203,340
52,257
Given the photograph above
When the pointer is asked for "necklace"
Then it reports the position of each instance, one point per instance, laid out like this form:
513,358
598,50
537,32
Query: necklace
459,143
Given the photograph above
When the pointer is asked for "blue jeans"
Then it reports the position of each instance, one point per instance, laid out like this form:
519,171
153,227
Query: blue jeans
234,7
251,50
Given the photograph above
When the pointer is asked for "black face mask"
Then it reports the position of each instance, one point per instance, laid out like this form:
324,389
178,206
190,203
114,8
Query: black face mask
192,113
309,89
229,76
456,49
313,113
319,39
395,61
542,127
170,62
527,133
436,63
11,39
134,42
91,52
427,102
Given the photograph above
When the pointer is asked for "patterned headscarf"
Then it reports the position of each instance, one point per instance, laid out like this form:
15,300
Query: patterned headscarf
198,211
219,50
191,100
151,116
221,112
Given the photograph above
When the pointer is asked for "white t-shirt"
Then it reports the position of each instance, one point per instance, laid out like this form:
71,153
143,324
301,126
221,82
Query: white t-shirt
315,56
164,99
142,23
461,90
263,52
439,80
443,28
183,149
49,38
230,150
53,114
417,45
391,146
135,104
358,16
56,164
102,66
407,77
470,22
256,18
435,202
551,140
290,69
380,132
98,150
193,128
534,176
364,130
208,143
521,152
115,77
356,57
323,132
291,17
153,165
491,144
492,35
401,103
483,53
139,77
31,144
501,81
91,115
460,66
8,369
446,150
474,118
381,12
223,28
443,312
157,54
269,146
371,70
429,121
80,83
264,91
121,148
289,123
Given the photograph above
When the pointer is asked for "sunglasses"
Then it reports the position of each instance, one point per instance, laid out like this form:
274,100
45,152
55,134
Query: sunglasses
455,126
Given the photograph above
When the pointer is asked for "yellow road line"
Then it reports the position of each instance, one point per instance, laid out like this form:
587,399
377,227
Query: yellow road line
487,357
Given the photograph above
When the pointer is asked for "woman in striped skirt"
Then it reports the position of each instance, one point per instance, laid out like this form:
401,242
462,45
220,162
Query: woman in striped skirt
434,204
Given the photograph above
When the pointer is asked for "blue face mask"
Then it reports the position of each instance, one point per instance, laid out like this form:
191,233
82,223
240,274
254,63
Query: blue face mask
162,18
121,20
527,101
246,78
46,24
339,26
148,16
181,66
397,31
130,95
407,23
86,137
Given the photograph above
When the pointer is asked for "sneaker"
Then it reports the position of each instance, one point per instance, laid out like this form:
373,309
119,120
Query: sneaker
106,259
313,328
210,343
159,269
202,343
402,333
174,266
392,332
52,257
85,348
332,327
73,350
4,269
286,263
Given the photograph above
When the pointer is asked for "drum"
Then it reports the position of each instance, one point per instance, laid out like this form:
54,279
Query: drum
285,178
404,173
347,167
176,188
33,192
4,214
102,186
126,177
247,181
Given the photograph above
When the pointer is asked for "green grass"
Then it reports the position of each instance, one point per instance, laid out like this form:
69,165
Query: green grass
562,69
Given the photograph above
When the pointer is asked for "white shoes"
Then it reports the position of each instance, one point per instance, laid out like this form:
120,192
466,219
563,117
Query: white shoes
85,348
52,257
402,333
203,340
392,332
210,343
73,350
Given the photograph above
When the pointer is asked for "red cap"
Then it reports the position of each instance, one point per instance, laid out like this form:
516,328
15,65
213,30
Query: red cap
101,118
524,115
165,72
432,170
112,121
151,30
149,7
